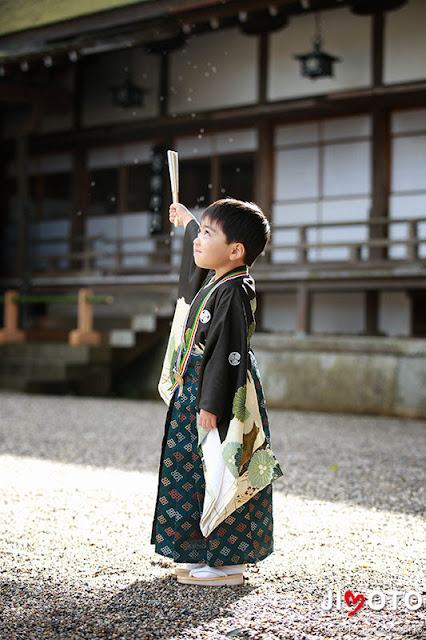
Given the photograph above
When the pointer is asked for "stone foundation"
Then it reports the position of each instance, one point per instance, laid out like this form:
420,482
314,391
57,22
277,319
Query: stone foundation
343,374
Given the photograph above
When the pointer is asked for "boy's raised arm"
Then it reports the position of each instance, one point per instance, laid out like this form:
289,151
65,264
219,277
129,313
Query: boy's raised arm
191,277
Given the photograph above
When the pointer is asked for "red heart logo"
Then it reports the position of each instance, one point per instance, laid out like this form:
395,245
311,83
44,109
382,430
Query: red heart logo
351,600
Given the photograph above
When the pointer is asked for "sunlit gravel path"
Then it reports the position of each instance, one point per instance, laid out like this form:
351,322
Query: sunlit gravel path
77,490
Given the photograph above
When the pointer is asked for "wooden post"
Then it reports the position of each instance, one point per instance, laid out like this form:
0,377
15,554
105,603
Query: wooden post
123,189
413,242
24,260
215,177
80,204
355,253
164,86
371,321
381,148
302,252
264,168
381,172
84,333
262,66
303,309
118,255
11,333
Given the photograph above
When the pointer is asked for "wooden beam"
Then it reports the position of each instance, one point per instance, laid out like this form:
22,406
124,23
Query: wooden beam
140,16
401,96
203,10
52,100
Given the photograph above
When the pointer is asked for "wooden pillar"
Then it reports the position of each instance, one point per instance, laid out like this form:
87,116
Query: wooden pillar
380,173
381,159
84,334
264,162
304,297
264,167
24,260
164,85
123,189
4,217
10,331
22,196
371,317
262,68
80,180
78,93
80,203
381,146
215,177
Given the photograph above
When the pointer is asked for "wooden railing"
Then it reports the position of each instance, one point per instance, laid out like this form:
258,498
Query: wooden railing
155,253
357,250
100,248
83,335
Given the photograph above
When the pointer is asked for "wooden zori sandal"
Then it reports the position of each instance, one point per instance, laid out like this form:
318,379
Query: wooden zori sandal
212,577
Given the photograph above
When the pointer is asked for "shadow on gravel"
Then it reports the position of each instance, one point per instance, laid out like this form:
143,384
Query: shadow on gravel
159,608
288,609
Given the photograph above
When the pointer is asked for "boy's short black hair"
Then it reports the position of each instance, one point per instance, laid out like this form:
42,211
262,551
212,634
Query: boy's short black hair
242,222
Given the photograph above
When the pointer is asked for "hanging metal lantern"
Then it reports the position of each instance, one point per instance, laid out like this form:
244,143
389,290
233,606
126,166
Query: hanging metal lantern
156,188
166,45
128,95
317,63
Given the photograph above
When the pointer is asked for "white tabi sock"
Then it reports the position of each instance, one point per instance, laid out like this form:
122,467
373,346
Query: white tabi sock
217,572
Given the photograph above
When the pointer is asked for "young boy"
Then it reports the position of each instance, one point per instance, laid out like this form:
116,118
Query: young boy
214,503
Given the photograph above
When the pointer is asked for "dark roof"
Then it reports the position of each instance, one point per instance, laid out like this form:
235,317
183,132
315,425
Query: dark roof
20,15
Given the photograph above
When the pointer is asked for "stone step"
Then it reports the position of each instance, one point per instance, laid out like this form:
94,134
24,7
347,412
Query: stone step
13,382
54,351
33,369
21,383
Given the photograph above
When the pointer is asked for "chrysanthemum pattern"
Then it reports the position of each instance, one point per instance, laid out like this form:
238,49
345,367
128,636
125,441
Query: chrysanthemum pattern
261,468
239,405
232,453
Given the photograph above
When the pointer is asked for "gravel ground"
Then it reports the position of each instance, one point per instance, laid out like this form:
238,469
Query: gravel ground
77,487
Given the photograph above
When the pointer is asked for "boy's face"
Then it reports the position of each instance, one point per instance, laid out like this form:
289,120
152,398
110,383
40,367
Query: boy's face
211,250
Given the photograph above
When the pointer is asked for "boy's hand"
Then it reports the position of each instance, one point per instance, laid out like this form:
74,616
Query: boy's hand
208,420
180,212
